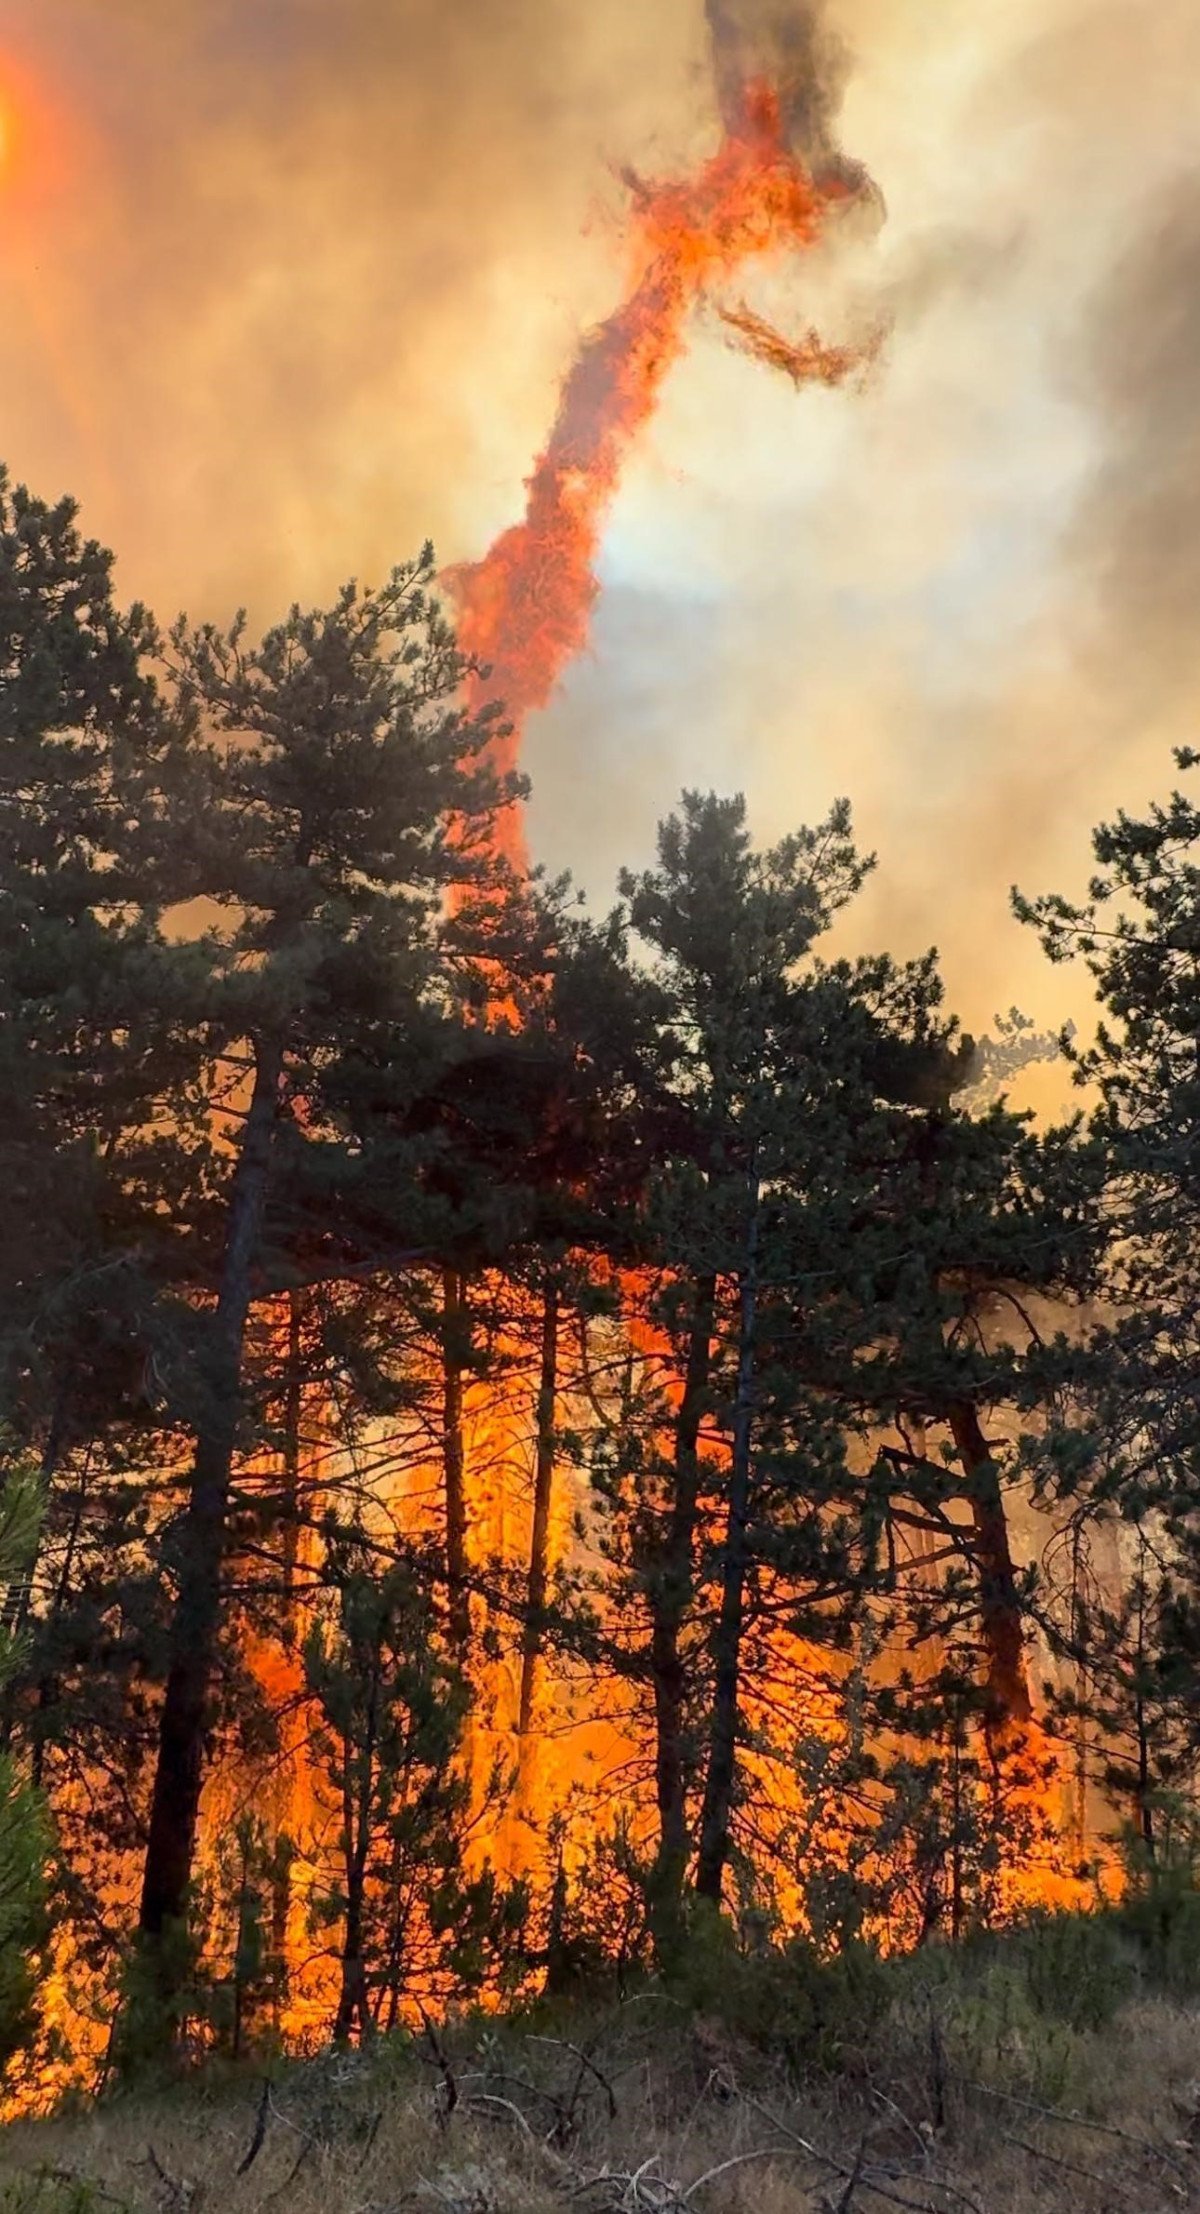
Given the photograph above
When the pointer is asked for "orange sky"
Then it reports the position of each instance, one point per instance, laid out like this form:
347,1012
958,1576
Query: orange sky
288,285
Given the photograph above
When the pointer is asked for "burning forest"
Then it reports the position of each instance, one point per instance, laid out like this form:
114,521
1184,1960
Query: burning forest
553,1447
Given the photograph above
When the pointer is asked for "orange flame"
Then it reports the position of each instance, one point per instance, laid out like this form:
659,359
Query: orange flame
806,360
524,610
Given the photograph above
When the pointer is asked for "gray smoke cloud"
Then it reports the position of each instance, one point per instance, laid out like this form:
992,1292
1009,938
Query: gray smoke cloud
1136,536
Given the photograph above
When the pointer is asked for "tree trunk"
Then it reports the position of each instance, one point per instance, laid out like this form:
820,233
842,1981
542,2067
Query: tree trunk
543,1487
1080,1809
1009,1705
358,1782
293,1415
201,1543
956,1836
353,1998
671,1594
58,1429
717,1811
1145,1808
454,1328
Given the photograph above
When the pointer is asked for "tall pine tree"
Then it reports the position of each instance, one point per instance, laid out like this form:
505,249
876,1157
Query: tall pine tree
346,790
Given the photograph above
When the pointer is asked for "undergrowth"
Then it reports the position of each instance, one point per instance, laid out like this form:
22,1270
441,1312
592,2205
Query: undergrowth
1055,2065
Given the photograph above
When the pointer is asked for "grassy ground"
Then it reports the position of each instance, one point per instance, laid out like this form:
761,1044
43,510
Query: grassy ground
1055,2070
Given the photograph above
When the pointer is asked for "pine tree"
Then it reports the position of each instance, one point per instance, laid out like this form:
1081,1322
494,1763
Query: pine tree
734,1492
1138,934
102,1051
515,1152
97,1004
1139,1654
1127,1445
993,1227
391,1707
24,1828
345,791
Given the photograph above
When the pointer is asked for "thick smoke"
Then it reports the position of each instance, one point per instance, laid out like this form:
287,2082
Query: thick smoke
1136,537
300,289
790,45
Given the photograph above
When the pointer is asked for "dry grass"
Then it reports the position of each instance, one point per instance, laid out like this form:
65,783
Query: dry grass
639,2112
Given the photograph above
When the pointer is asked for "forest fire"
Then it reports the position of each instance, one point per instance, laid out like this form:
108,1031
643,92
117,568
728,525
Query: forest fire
526,1438
523,612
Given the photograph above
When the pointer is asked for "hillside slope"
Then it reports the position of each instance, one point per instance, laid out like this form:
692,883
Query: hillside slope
1014,2078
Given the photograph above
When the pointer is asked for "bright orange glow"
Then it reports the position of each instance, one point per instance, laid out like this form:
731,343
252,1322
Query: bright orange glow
42,146
525,609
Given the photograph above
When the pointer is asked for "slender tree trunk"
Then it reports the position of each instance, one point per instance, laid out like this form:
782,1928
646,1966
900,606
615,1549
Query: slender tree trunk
671,1593
1010,1706
194,1628
454,1329
245,1913
717,1811
1145,1809
392,1979
358,1777
58,1428
956,1846
353,2001
543,1488
1145,1806
293,1411
561,1965
1079,1839
293,1415
281,1902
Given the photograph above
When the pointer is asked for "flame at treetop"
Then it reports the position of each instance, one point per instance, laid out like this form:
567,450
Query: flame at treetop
524,610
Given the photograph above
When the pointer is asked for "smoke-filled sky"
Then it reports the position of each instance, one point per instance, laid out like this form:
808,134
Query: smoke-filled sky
287,286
